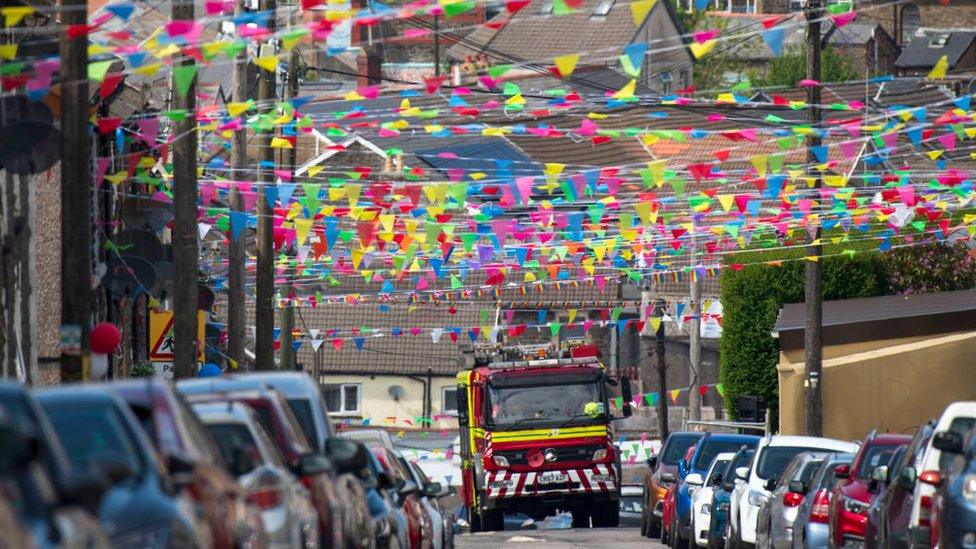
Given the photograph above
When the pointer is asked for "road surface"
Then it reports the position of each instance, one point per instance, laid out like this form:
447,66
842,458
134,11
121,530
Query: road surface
618,538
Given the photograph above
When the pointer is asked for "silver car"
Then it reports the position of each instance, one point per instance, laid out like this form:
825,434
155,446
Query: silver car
442,521
811,528
285,505
775,526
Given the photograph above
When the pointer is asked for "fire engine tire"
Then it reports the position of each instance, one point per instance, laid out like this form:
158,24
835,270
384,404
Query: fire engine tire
581,517
475,519
606,515
492,520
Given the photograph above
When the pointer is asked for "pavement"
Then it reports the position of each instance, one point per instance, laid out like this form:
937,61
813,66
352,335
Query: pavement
618,538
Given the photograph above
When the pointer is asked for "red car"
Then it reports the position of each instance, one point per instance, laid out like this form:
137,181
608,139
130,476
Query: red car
851,497
276,416
668,506
407,493
188,450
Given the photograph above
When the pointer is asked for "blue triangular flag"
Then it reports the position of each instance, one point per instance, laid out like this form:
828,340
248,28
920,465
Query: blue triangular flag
774,40
238,220
820,152
635,54
122,10
271,195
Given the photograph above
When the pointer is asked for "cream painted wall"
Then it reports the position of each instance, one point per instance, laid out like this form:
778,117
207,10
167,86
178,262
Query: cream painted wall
377,404
892,389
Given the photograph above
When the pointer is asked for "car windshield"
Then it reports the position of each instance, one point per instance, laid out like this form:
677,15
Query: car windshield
773,459
962,425
631,504
717,472
95,434
524,401
677,446
711,448
874,455
302,409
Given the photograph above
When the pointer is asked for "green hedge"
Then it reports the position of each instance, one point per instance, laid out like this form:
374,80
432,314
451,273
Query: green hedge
752,298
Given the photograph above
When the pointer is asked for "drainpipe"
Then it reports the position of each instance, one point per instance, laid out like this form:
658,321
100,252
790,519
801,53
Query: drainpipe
426,400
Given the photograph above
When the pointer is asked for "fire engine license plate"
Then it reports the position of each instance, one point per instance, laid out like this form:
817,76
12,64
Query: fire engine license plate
552,478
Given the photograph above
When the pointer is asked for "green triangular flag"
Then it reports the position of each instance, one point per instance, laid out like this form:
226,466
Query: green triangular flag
183,75
97,70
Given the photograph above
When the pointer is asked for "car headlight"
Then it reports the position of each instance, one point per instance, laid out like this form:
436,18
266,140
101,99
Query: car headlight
756,499
855,506
969,487
500,461
600,454
706,509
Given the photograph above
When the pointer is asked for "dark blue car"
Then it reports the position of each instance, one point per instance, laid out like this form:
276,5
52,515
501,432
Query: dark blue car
955,501
690,477
722,494
142,507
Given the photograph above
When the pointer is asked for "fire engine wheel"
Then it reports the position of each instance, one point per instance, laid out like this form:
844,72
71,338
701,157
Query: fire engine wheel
581,517
475,519
606,515
492,520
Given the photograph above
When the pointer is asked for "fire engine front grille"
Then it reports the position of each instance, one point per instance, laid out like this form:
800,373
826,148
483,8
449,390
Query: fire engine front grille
572,453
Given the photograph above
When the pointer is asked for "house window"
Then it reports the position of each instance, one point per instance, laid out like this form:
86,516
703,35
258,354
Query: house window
666,81
911,20
546,8
449,400
603,8
343,398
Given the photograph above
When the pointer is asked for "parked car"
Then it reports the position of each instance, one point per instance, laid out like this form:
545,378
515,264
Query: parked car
406,497
372,438
778,512
894,515
691,474
954,503
16,454
57,503
701,500
772,456
143,507
851,499
669,503
958,417
184,444
660,476
276,416
719,523
285,505
631,505
810,528
878,486
442,522
389,522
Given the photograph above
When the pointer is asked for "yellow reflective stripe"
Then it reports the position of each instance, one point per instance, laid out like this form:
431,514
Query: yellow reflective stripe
548,434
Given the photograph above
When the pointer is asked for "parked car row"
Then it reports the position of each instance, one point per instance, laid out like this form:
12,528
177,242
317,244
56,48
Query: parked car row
243,461
888,490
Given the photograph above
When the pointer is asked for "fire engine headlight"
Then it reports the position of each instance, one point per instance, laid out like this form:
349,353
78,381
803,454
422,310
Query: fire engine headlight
600,454
550,455
500,461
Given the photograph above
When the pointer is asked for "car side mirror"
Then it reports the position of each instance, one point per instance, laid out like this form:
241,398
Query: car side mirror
348,456
84,490
433,489
728,486
462,406
311,465
180,469
770,484
742,473
668,477
716,479
880,473
798,487
694,479
652,462
842,471
116,471
627,396
907,477
948,441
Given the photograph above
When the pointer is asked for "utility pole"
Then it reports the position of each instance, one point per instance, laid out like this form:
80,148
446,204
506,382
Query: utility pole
236,256
288,312
185,233
662,373
437,45
694,335
813,288
76,196
264,310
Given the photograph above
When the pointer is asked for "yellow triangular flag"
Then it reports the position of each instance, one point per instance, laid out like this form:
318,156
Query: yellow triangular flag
699,50
315,170
15,14
640,9
267,62
566,63
280,143
8,51
627,91
940,68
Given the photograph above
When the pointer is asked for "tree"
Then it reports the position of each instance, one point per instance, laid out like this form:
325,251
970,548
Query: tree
791,67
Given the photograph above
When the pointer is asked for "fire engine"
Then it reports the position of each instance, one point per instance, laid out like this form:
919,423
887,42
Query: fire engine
537,438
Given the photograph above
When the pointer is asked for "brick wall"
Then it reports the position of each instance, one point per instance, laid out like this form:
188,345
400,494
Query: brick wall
932,14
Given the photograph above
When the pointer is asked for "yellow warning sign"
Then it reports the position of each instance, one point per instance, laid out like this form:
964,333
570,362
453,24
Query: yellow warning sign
161,335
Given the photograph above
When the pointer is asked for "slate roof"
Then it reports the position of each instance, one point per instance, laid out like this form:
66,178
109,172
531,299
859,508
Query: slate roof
753,48
853,311
920,54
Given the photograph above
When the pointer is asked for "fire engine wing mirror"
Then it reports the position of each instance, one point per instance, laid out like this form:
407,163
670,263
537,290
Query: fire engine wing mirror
626,395
462,406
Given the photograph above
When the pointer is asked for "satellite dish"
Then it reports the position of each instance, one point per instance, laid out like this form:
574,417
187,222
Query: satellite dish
29,142
396,392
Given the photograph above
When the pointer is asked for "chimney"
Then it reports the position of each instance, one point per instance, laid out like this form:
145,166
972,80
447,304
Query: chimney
369,66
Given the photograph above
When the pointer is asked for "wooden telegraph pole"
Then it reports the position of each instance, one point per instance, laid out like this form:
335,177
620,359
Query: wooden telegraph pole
288,312
237,298
662,373
76,196
813,288
264,311
185,232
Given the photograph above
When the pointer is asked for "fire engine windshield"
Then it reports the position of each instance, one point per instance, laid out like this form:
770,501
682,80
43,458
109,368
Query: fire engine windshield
540,402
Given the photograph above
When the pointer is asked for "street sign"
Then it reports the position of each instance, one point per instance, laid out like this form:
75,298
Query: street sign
164,370
161,335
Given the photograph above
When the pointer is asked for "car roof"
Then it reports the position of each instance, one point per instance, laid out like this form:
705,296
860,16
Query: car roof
729,437
223,411
725,456
818,443
954,410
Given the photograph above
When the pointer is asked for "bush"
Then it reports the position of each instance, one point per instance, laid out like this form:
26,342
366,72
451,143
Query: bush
143,369
751,300
933,267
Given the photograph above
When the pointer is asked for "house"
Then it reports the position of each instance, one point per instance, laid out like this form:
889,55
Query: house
532,38
930,45
917,346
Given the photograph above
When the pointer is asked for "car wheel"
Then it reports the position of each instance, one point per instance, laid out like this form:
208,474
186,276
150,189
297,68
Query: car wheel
732,539
653,528
677,540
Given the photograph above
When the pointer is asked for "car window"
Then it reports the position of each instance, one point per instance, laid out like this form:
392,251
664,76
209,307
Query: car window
874,455
773,459
717,472
711,448
200,438
825,474
95,433
806,475
741,459
676,447
962,425
274,454
420,474
302,409
233,438
789,472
